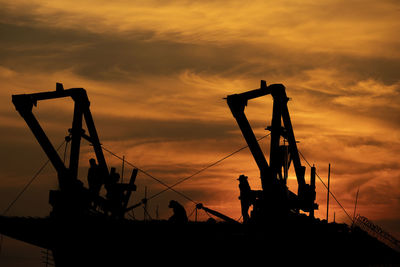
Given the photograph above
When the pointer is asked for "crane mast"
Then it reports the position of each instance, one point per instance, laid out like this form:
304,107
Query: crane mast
275,196
72,197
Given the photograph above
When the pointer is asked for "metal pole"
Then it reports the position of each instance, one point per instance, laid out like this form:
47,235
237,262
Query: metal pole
355,206
312,187
122,171
145,204
327,197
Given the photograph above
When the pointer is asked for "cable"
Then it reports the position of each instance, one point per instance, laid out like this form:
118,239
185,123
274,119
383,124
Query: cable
145,210
190,215
151,176
209,166
65,149
186,178
29,183
24,189
330,191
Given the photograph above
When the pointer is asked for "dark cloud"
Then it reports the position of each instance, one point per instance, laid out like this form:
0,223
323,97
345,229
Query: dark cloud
371,170
384,69
29,43
119,128
18,156
106,56
350,141
125,55
167,130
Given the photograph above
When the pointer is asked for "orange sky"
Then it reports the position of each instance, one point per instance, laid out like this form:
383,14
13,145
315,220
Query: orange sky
156,74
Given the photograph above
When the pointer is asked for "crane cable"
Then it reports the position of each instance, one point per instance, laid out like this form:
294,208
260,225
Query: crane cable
209,166
26,187
148,174
330,191
184,179
30,182
213,164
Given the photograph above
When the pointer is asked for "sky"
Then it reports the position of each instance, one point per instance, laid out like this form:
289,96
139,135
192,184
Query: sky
156,73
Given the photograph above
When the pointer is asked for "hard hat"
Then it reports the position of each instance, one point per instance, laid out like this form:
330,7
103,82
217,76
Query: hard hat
172,203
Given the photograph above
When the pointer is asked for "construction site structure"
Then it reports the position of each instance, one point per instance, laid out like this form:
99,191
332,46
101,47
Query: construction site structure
275,198
87,229
72,198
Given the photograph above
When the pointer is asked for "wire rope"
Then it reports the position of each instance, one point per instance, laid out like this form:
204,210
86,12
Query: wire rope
184,179
25,188
330,191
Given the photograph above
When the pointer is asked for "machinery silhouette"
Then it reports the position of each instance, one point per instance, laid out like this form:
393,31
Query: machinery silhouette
275,198
87,229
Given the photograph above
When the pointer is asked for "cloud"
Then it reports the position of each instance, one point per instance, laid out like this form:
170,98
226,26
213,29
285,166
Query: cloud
156,73
207,44
169,130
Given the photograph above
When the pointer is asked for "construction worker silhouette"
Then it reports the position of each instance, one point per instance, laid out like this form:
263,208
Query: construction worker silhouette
94,181
179,215
245,197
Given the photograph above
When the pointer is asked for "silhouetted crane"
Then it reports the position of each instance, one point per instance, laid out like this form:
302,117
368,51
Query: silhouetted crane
275,198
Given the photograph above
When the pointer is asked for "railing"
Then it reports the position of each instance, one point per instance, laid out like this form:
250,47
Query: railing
47,258
377,232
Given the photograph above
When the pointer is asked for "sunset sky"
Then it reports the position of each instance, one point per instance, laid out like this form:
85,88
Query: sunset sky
156,73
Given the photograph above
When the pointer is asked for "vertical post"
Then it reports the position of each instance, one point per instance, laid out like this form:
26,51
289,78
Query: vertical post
157,215
327,197
276,124
98,150
145,204
355,206
286,162
131,187
76,132
299,169
312,187
122,171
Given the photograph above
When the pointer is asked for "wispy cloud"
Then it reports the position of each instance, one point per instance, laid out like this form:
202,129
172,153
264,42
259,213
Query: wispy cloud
156,73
